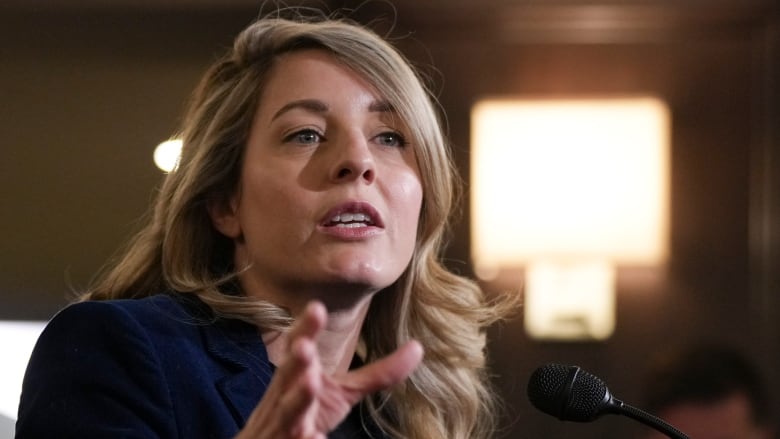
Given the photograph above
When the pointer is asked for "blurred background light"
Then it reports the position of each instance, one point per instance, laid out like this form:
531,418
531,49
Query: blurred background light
567,189
166,155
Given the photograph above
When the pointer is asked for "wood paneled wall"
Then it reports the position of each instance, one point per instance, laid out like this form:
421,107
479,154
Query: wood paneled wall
717,70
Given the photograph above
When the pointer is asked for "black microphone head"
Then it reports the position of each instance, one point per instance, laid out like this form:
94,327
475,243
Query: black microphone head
568,393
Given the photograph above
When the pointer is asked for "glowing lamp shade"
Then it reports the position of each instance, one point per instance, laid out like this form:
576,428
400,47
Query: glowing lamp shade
567,189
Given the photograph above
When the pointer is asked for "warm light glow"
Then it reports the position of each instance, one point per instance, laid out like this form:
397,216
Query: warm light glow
166,155
569,178
570,301
568,188
17,340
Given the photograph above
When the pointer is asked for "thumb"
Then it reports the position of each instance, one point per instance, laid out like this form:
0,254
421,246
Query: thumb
386,372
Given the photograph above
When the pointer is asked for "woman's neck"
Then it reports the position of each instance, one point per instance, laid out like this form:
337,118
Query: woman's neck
336,343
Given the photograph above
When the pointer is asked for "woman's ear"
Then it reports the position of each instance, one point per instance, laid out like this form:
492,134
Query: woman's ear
224,217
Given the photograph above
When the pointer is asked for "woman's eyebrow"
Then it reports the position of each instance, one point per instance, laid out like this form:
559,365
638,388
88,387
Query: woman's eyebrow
317,106
311,105
381,106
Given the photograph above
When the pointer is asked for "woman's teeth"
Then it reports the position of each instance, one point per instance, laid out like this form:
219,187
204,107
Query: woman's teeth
351,220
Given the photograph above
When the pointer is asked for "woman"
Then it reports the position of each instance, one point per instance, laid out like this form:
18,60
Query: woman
297,240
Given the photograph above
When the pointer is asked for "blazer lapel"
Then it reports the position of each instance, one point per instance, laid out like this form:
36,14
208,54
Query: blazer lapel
238,347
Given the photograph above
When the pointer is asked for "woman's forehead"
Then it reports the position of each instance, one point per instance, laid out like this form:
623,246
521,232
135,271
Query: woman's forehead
314,80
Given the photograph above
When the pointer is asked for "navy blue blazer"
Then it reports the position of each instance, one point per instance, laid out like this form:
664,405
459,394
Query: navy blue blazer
158,367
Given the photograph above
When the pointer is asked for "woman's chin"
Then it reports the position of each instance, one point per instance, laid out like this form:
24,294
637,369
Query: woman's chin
358,282
358,270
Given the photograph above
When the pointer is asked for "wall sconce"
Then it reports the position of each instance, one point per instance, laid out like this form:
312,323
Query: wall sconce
568,189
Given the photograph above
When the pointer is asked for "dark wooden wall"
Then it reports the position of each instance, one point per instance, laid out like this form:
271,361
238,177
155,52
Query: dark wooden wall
85,95
718,70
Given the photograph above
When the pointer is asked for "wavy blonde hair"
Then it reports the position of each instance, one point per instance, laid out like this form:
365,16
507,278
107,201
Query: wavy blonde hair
448,396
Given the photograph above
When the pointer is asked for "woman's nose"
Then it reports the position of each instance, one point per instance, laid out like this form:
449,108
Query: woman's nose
354,160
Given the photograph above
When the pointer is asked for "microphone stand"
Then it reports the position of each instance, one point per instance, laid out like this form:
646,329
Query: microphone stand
620,408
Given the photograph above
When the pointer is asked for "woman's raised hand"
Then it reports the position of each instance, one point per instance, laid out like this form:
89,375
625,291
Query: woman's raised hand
303,402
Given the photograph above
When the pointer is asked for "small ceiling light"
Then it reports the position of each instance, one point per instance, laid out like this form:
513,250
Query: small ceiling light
166,155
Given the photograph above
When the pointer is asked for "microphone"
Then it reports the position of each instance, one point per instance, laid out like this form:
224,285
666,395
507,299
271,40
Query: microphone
572,394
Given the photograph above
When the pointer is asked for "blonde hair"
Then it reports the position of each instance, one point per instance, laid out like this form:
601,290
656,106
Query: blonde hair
448,396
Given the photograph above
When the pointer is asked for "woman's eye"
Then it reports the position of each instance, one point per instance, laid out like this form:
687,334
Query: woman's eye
305,137
390,139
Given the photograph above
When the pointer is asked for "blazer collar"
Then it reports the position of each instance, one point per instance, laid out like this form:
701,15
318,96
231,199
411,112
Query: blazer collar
238,347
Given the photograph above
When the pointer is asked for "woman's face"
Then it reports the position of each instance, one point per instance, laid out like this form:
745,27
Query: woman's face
330,193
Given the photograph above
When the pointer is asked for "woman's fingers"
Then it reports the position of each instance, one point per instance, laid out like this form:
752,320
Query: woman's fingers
301,402
310,322
300,375
298,402
307,326
289,407
386,372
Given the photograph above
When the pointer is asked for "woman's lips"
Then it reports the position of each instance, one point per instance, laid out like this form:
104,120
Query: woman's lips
352,212
352,220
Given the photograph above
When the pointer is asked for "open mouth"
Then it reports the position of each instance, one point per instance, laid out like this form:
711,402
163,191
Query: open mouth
353,215
350,220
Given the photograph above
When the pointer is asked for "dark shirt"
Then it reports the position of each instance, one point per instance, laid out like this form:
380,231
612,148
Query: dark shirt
158,367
